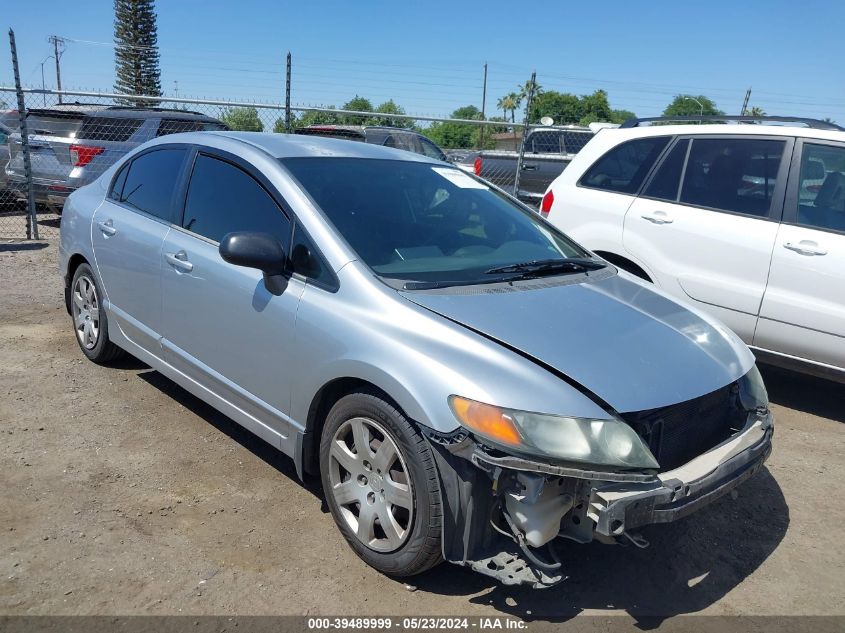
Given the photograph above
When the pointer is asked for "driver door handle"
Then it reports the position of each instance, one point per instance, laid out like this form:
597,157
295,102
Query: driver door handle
179,261
658,217
107,227
805,247
529,167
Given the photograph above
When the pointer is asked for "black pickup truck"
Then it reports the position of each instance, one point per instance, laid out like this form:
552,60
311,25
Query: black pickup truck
548,151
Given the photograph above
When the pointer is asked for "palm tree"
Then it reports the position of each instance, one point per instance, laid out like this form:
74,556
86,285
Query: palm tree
516,100
756,111
526,88
509,103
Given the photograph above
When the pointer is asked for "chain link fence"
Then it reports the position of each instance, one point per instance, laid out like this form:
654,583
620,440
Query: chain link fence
73,137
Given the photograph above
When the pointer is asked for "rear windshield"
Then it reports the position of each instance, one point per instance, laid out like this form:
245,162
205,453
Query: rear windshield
102,128
53,125
426,222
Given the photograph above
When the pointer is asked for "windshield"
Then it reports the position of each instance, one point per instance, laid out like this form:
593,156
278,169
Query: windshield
423,222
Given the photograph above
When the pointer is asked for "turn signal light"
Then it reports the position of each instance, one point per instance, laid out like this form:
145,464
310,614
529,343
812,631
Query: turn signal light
487,420
476,166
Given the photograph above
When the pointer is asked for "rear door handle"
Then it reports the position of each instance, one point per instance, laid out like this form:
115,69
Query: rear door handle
179,260
805,247
107,227
658,217
529,167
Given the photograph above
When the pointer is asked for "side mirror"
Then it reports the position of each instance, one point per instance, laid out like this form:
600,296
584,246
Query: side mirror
257,250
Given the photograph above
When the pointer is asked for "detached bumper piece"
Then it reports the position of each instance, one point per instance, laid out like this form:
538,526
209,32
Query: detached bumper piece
503,514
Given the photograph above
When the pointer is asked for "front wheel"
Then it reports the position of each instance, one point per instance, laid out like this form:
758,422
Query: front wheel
381,485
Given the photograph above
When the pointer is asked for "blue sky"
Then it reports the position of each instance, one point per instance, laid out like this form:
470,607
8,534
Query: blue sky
428,56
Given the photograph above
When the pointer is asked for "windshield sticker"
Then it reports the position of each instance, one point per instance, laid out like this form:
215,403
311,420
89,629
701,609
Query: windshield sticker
459,178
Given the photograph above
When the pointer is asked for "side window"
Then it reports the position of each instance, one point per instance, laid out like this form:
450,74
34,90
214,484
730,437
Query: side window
731,174
667,180
545,143
151,180
117,186
430,149
624,167
306,260
821,187
223,198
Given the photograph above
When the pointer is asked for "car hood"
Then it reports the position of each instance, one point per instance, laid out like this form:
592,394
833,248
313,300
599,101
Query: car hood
627,343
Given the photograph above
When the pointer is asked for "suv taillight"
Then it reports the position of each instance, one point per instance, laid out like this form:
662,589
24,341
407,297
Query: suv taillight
476,166
81,155
546,204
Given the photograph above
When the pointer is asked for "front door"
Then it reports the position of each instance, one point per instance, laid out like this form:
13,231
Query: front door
803,311
222,327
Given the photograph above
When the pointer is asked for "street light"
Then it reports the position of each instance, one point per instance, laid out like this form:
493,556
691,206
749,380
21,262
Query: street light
43,94
700,105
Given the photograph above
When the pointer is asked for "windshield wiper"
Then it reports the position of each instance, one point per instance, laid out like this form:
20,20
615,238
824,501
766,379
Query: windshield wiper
548,266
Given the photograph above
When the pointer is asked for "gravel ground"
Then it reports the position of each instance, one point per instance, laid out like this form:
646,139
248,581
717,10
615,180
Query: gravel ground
123,494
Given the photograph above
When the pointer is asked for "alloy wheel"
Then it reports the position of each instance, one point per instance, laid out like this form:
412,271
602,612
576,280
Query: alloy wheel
86,312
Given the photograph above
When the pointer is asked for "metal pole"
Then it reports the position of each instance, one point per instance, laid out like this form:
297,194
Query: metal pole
524,134
55,39
32,222
42,83
483,108
745,103
287,95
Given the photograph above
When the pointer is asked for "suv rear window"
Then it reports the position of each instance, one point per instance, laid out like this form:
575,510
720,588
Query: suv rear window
624,167
174,126
101,128
58,125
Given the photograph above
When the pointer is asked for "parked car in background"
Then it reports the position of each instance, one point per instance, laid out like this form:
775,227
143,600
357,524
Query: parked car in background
6,196
72,144
547,153
747,221
467,381
400,138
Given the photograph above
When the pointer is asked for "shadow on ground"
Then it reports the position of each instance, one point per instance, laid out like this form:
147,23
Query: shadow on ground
816,396
7,247
690,564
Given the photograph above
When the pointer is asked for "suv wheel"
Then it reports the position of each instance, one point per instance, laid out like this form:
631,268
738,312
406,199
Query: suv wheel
381,485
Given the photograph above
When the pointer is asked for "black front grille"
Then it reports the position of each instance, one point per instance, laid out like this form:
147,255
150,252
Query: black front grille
678,433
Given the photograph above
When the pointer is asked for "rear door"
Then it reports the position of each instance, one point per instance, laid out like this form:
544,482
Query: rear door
706,222
127,234
803,311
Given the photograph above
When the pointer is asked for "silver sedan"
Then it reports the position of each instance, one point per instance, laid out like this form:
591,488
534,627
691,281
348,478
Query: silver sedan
468,382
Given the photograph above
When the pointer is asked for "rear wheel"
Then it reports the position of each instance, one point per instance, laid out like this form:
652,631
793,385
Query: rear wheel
381,485
90,323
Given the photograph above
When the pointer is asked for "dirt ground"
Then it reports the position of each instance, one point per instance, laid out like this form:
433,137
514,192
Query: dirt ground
123,494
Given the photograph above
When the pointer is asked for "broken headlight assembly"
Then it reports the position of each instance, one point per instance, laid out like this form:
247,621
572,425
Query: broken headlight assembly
752,392
608,442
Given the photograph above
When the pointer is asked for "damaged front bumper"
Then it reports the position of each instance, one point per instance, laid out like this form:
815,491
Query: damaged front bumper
500,509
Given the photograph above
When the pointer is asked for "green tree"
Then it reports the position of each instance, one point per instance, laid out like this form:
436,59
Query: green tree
242,119
563,108
453,135
136,54
358,104
620,116
316,118
755,111
390,107
594,107
690,105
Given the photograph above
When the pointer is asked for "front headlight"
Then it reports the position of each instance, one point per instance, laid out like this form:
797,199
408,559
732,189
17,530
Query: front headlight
752,391
600,442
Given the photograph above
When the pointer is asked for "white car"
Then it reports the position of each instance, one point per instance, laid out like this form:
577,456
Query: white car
745,221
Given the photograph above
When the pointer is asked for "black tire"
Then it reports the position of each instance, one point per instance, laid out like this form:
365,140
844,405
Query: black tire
421,548
103,350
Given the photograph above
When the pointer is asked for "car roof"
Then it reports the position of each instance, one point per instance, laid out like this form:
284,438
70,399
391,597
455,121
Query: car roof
750,129
302,146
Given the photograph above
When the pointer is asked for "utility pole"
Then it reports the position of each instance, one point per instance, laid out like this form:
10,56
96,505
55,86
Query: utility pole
519,162
287,95
483,108
32,220
55,40
745,103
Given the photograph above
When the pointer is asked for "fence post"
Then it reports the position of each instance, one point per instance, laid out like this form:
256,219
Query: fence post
32,221
524,134
287,95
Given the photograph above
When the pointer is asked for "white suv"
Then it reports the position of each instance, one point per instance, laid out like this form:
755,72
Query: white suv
745,221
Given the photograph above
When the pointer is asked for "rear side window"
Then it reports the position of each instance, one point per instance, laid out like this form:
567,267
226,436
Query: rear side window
430,149
223,198
667,180
737,175
151,181
116,190
174,126
821,192
624,167
101,128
